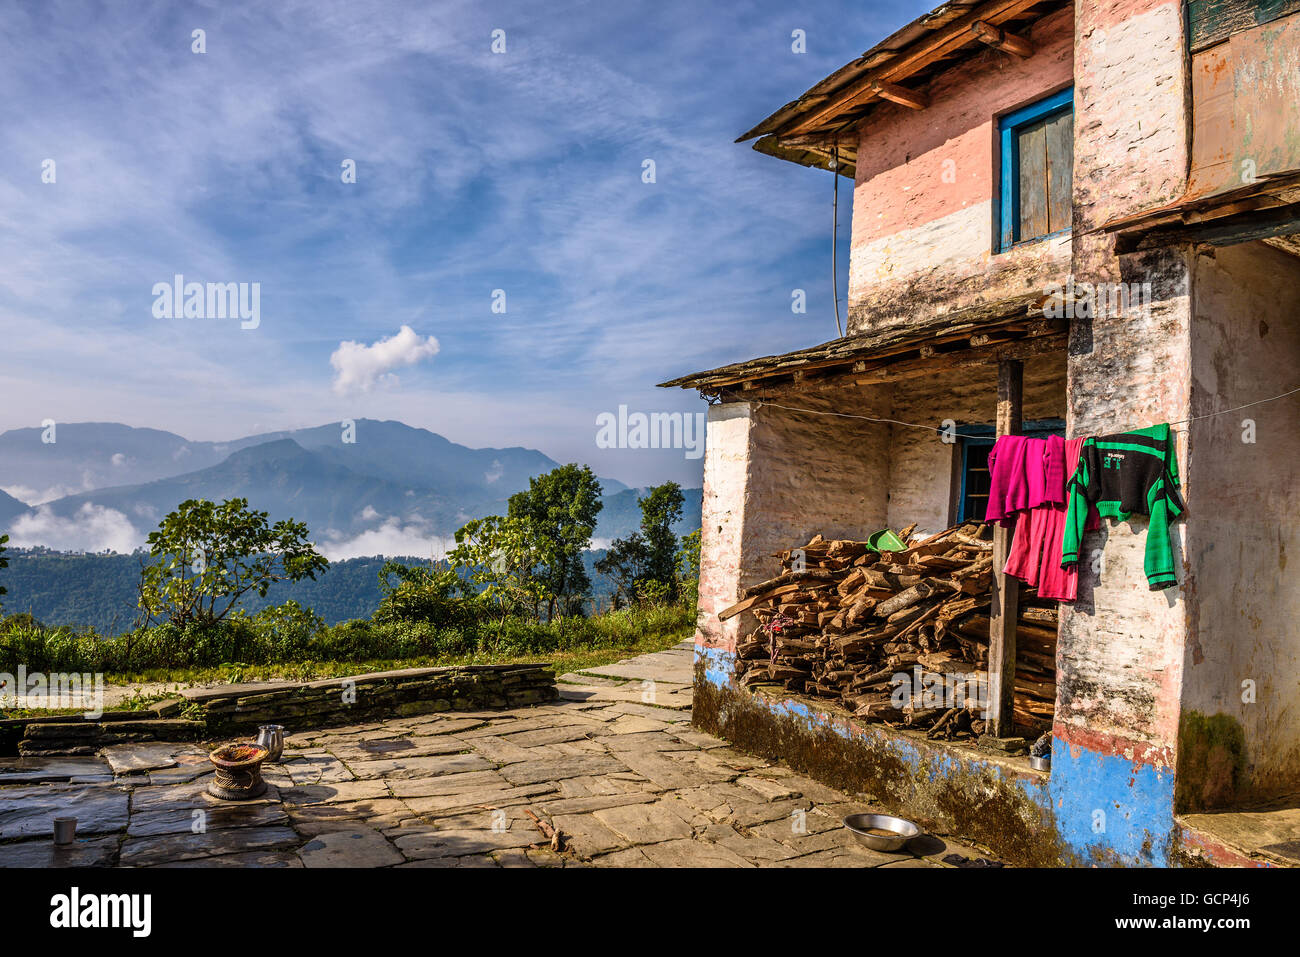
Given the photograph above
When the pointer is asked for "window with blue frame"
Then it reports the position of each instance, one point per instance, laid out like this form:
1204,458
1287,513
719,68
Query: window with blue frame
975,443
1037,150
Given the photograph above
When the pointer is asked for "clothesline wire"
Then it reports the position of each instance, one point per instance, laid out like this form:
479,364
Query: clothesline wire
1210,415
931,428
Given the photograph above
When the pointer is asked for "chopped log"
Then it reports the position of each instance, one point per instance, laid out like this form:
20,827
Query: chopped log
903,600
813,574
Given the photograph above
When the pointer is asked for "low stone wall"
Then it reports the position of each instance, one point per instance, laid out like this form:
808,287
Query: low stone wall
73,734
240,708
235,709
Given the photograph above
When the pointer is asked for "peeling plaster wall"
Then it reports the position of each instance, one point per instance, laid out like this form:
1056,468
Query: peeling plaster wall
726,469
924,200
1243,530
1120,652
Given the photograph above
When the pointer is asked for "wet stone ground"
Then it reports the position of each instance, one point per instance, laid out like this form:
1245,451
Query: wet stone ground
614,765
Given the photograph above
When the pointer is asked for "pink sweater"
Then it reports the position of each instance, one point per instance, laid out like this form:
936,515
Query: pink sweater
1025,473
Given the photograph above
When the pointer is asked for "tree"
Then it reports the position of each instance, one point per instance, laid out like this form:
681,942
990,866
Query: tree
210,556
4,562
624,563
688,568
660,510
644,566
422,593
561,507
501,555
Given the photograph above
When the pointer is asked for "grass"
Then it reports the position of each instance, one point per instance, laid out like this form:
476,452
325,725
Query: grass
564,661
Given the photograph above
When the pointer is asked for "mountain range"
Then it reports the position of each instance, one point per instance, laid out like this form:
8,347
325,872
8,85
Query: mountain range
378,488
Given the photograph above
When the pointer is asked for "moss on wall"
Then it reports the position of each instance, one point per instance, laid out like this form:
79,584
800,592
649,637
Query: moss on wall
950,796
1211,761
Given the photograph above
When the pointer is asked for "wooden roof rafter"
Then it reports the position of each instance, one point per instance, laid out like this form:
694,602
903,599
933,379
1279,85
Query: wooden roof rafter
896,69
1014,328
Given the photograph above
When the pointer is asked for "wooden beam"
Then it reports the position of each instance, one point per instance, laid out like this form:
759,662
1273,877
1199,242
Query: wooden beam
939,44
1229,231
999,39
982,355
901,95
1006,588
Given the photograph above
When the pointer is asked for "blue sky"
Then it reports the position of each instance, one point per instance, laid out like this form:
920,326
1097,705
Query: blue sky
475,171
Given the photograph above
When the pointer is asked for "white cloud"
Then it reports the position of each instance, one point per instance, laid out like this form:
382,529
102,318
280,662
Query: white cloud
357,367
494,474
35,496
391,538
23,493
94,528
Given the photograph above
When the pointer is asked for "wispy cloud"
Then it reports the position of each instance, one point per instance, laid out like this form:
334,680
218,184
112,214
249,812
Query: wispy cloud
475,172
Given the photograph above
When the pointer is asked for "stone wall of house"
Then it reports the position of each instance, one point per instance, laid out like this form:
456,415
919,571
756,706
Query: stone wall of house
1120,653
1240,735
924,205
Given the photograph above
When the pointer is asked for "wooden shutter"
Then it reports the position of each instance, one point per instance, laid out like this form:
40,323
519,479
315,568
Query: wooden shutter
1032,147
1060,164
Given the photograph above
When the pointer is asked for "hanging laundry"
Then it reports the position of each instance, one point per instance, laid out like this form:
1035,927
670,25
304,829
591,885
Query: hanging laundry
1122,475
1035,552
1024,473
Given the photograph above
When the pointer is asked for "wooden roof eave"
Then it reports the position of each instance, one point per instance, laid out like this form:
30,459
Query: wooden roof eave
921,45
1269,192
975,327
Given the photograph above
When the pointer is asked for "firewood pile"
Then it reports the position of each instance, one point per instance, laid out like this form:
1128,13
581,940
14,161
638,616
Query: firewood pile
841,621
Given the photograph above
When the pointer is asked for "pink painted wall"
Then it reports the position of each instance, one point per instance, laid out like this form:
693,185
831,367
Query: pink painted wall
924,202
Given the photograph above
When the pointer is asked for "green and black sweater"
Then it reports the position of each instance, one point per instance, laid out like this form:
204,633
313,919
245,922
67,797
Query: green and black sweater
1132,472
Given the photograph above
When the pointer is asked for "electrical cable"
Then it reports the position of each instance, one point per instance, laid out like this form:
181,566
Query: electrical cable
835,236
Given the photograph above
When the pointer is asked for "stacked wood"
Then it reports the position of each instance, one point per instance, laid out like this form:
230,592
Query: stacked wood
843,622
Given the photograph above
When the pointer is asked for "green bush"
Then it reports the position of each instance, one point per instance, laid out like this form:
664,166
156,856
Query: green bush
291,633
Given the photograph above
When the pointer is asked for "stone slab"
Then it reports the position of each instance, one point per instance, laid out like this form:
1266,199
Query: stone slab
30,811
147,851
644,824
357,846
42,770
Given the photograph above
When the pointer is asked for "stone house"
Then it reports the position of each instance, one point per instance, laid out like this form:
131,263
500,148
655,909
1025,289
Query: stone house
1085,217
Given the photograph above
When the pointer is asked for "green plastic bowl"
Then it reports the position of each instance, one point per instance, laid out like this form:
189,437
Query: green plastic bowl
885,541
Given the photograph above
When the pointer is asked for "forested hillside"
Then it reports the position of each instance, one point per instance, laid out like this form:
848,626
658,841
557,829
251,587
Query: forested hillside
99,591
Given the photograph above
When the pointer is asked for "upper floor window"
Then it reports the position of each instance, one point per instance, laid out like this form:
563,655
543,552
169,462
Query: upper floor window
1037,147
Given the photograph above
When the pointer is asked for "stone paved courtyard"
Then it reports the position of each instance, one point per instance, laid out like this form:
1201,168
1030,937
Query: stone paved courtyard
614,765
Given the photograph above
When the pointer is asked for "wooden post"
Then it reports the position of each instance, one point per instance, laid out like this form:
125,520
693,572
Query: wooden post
1006,591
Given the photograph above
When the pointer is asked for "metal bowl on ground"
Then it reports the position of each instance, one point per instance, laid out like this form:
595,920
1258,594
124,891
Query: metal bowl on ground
881,832
1041,762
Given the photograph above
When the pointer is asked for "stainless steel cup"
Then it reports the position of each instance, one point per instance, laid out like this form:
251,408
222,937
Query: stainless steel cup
65,830
271,737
